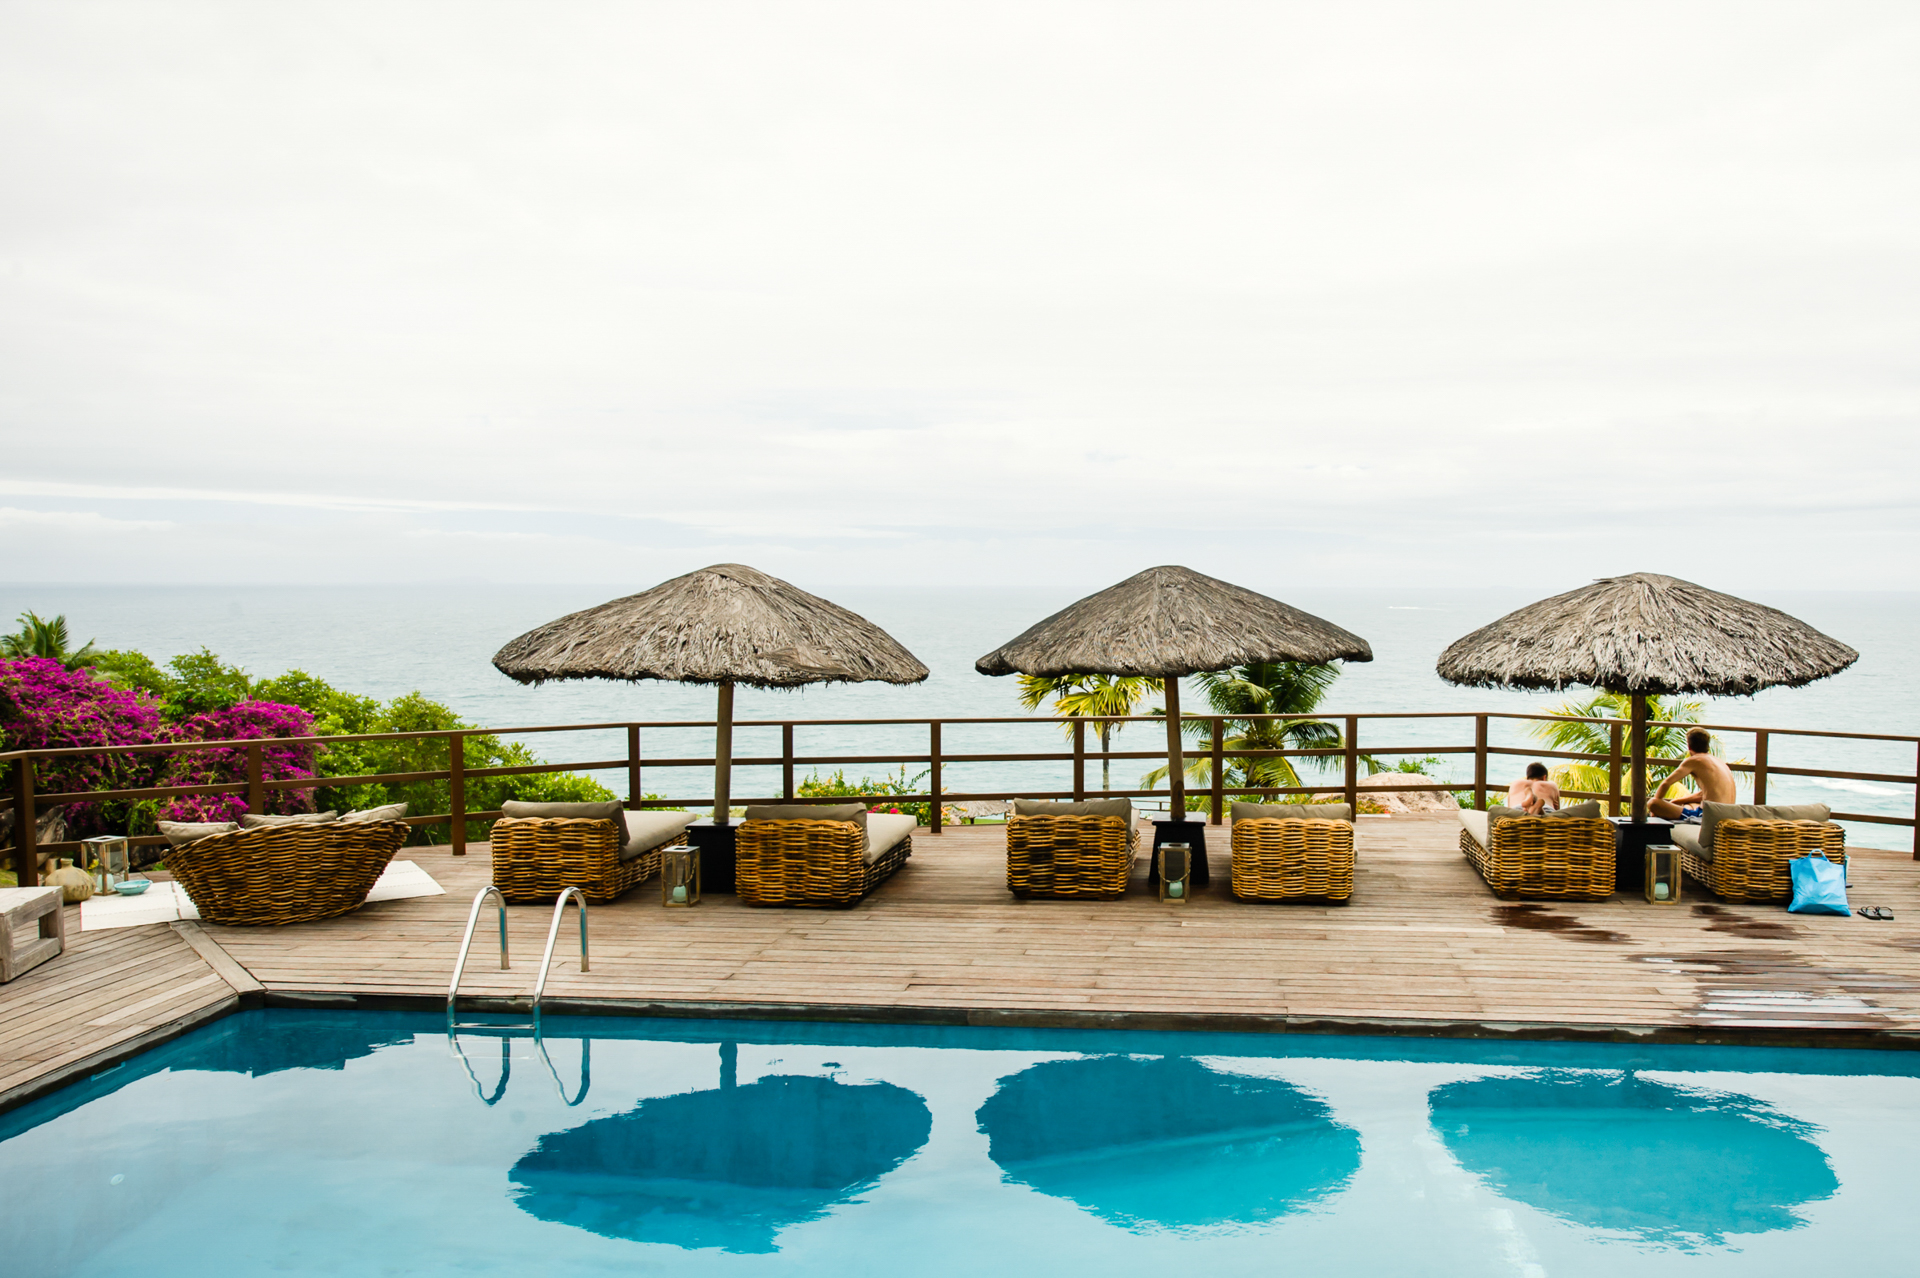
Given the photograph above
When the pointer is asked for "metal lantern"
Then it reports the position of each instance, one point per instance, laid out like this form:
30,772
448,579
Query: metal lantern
680,876
110,860
1663,873
1175,863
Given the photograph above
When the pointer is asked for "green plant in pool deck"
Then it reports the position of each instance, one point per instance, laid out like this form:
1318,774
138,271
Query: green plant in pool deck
1267,687
837,785
48,640
1090,696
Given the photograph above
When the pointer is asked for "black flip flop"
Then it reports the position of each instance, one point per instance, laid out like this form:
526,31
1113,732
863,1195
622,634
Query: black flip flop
1868,912
1884,914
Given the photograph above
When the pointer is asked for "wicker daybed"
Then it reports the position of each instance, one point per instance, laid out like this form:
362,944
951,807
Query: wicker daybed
1741,851
1292,851
1075,850
1562,856
542,849
285,873
817,855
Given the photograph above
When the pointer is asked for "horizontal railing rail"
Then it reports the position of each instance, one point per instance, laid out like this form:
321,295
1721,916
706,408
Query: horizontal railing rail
25,800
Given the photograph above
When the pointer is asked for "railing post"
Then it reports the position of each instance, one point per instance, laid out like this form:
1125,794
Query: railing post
635,795
1479,762
786,759
1760,767
457,789
934,822
1353,766
1614,759
26,832
256,792
1916,806
1219,769
1079,760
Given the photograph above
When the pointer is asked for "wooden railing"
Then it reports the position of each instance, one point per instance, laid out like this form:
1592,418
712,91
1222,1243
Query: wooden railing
25,800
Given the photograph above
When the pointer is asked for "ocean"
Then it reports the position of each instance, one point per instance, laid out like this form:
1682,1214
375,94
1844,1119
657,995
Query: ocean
438,639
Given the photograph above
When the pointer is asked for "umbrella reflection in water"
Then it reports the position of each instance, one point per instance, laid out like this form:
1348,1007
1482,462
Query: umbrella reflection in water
724,1168
1617,1152
1167,1143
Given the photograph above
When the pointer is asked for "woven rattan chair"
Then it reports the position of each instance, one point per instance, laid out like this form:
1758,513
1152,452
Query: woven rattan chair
537,858
1069,856
1749,861
1553,858
1284,860
796,862
285,873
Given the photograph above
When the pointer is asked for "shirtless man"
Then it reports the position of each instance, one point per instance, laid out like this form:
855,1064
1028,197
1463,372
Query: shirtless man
1713,778
1535,794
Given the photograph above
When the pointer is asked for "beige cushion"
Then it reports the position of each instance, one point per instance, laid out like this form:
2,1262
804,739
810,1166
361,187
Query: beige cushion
1122,808
181,833
1712,814
385,812
611,810
854,812
1687,839
647,830
1293,811
885,831
1586,810
258,820
1479,825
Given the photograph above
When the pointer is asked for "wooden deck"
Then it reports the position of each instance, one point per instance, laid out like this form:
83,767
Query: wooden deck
1423,948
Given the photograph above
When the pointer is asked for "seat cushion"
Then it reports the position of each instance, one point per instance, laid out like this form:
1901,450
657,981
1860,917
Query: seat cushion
1122,808
854,812
180,833
1712,814
1479,825
1243,811
885,831
611,810
386,812
261,820
1687,839
648,829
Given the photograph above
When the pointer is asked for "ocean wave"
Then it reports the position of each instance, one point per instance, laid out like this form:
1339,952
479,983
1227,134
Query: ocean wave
1851,787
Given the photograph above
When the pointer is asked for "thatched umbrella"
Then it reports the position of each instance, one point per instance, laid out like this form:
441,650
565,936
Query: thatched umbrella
1645,635
1166,623
722,625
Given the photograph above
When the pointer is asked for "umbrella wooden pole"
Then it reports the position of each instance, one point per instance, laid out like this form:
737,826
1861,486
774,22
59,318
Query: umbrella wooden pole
1639,758
723,754
1176,761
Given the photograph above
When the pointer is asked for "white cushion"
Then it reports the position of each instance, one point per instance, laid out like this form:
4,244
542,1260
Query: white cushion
885,830
1686,837
648,829
1475,823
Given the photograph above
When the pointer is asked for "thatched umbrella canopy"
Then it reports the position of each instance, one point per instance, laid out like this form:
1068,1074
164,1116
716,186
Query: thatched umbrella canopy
1166,623
1645,635
723,625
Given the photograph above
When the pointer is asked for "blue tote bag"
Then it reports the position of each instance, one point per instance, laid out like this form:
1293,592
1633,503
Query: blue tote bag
1819,886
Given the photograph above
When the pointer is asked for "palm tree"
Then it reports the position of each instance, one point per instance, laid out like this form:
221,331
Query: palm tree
1089,696
1266,687
1666,736
48,639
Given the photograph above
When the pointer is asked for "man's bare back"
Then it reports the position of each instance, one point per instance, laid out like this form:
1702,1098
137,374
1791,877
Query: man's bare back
1712,779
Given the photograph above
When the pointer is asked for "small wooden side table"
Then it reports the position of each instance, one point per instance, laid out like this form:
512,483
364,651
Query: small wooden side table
22,945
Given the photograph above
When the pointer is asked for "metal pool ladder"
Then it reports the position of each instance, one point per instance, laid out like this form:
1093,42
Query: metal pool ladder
539,991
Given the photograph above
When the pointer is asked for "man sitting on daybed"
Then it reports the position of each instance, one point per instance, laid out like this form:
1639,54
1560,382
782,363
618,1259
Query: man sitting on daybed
1713,778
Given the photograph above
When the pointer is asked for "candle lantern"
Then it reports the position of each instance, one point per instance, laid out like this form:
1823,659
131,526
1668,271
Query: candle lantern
1663,873
1175,863
680,876
109,855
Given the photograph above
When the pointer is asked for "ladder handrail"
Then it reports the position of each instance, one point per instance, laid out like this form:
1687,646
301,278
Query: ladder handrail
473,917
553,934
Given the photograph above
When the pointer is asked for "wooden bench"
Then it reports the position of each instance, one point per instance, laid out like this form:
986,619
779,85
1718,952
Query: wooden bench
22,945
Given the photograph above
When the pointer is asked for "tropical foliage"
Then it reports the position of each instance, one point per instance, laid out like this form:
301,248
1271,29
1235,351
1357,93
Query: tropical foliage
1666,738
1079,696
1268,687
819,787
47,640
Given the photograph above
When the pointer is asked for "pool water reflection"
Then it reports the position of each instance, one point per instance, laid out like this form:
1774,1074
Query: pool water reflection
311,1143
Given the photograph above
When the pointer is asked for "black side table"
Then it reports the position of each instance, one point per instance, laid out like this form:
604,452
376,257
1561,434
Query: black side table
716,854
1630,840
1192,833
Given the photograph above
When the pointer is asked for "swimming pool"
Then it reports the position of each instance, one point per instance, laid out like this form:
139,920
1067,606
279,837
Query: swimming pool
348,1143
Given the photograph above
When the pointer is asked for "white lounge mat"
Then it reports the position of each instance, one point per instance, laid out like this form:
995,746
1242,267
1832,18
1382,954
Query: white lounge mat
165,902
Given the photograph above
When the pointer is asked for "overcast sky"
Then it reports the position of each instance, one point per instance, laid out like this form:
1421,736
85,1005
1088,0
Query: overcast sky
1316,294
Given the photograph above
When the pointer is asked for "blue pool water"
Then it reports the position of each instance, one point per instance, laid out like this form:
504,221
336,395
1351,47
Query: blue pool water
365,1144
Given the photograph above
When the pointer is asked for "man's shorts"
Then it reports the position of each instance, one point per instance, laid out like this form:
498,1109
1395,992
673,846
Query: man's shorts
1690,816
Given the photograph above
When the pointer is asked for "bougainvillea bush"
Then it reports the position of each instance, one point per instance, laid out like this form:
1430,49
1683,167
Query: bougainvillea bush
247,721
45,706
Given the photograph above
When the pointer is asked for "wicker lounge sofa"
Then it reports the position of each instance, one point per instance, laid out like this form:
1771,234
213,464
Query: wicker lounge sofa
541,849
1740,851
1293,851
1562,856
273,874
1073,850
817,855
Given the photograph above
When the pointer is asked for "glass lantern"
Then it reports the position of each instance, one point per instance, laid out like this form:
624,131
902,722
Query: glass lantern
1175,863
680,876
109,853
1663,873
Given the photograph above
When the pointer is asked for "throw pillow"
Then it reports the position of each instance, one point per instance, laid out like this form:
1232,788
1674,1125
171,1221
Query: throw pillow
260,820
1293,811
611,810
180,833
1712,814
386,812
